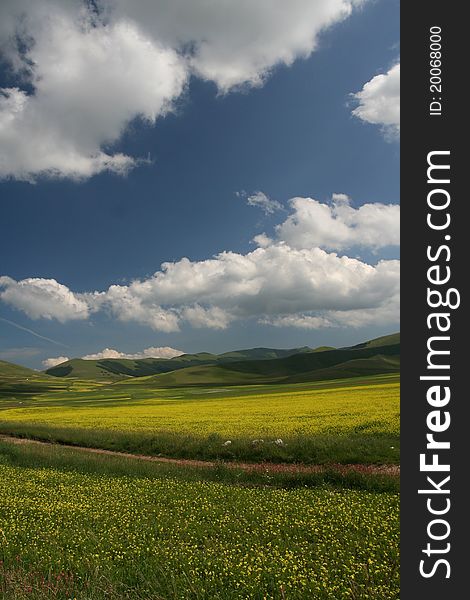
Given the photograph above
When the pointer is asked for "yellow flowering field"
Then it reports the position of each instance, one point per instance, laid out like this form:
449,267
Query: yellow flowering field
292,411
67,534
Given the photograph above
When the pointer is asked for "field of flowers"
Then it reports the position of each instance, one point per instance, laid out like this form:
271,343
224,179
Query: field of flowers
275,414
67,534
324,422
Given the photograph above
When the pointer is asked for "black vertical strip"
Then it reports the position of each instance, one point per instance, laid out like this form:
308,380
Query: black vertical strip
423,132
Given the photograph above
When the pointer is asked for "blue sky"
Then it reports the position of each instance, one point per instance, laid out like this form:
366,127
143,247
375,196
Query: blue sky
293,136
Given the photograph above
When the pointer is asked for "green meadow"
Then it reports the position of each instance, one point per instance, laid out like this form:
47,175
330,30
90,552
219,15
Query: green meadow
353,420
274,512
75,525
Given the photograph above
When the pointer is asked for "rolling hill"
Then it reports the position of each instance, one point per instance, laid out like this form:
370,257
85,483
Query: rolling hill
362,360
385,340
19,382
207,375
358,367
254,365
116,369
8,369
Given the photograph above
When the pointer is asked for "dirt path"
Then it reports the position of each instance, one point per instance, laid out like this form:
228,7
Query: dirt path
391,470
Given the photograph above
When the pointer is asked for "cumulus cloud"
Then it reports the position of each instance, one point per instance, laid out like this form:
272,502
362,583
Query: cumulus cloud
266,284
43,299
48,363
89,83
292,279
236,42
338,225
379,102
212,317
125,305
385,314
85,70
152,352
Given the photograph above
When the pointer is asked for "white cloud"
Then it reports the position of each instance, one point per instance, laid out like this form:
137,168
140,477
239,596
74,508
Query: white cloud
152,352
84,75
121,302
385,314
236,42
260,200
292,280
89,83
212,317
266,283
48,363
338,225
43,299
379,102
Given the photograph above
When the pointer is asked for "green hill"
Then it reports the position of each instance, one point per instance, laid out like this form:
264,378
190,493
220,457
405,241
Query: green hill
115,369
297,368
8,369
206,375
243,366
81,369
323,349
375,365
385,340
17,382
309,361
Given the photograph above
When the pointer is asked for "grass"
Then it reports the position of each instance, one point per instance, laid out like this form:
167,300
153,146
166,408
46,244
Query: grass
17,391
319,449
8,369
75,525
78,525
384,340
344,421
31,455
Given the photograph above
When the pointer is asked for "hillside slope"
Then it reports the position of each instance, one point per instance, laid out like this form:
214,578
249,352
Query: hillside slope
243,366
302,367
115,369
385,340
8,369
17,382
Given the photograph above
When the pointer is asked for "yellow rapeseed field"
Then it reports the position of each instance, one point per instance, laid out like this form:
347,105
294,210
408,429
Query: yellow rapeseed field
367,408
